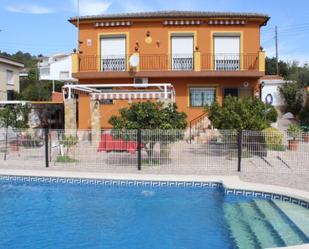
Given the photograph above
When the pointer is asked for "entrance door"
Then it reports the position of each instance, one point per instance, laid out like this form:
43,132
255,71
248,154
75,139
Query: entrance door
230,92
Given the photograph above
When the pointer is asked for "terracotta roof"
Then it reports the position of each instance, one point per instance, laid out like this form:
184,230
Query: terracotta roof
175,14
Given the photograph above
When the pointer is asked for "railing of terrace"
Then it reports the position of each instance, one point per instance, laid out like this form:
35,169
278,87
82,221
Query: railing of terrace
229,62
174,62
156,151
113,63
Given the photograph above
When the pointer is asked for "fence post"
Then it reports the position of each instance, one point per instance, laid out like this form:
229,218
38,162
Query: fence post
50,147
6,143
46,132
139,149
190,133
239,146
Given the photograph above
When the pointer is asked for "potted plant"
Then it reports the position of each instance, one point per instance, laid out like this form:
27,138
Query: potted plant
294,132
306,134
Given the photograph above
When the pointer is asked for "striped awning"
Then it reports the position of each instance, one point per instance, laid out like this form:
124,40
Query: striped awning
123,91
130,95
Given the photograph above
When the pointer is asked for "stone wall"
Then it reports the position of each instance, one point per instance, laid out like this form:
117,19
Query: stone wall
95,113
70,115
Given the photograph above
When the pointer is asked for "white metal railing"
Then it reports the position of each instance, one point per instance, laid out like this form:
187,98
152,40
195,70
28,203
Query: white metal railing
182,62
227,62
113,63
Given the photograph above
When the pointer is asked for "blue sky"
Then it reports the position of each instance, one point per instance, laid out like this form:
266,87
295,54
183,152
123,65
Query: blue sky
41,27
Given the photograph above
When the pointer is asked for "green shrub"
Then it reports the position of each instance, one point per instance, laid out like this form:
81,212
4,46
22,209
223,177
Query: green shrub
272,114
294,131
241,114
292,96
273,139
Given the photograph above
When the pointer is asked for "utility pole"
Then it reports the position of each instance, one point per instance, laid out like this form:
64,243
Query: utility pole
77,25
277,61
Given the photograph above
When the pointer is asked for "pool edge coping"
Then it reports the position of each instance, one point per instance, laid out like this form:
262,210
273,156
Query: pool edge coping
228,182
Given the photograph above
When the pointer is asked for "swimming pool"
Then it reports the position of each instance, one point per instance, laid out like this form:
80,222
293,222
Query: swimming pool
52,215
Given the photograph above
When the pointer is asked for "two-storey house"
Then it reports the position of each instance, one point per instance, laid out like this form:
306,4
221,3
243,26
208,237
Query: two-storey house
9,77
192,58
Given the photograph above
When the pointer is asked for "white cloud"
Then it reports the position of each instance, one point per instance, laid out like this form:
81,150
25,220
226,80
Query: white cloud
29,9
92,7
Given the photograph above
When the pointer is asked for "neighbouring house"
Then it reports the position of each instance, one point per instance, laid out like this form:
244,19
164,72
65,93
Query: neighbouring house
56,67
24,73
270,90
191,58
9,77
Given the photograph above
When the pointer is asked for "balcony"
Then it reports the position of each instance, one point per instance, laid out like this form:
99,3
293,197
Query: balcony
151,65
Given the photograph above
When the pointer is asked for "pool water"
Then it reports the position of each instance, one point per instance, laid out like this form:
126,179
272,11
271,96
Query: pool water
127,217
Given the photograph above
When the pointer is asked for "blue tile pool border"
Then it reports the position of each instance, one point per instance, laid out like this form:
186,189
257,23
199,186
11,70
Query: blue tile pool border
107,182
151,183
266,195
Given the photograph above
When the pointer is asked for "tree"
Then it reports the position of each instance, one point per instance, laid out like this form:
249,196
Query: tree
149,115
156,119
292,95
26,58
241,114
289,70
300,75
271,68
34,90
304,115
15,116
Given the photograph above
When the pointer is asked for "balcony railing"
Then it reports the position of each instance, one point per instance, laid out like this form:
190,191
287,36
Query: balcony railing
166,62
182,62
227,62
230,62
113,63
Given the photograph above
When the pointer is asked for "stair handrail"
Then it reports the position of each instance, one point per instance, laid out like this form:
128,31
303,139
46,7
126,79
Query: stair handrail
193,122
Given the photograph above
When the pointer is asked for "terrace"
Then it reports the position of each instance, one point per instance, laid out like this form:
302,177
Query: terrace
196,64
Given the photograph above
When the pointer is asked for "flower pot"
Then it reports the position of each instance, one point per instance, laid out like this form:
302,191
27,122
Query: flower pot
293,145
306,137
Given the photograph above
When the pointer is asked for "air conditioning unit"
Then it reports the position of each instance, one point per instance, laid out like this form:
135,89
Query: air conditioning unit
140,82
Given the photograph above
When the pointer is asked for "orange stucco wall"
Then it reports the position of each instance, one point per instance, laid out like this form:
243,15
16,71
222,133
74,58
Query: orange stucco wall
160,36
181,85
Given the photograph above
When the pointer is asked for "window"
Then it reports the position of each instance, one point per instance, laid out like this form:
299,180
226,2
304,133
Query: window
227,52
113,53
182,53
44,71
63,75
230,92
106,101
202,96
10,95
10,77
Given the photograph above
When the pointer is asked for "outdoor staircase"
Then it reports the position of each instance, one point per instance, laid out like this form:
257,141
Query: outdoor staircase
201,130
261,224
